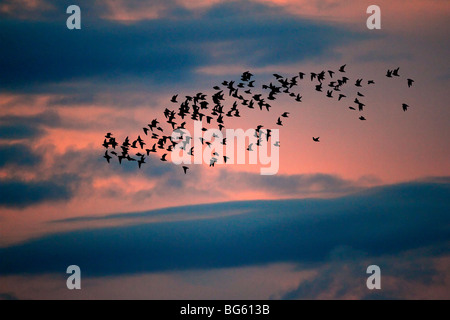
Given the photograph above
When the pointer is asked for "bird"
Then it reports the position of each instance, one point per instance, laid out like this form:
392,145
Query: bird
395,72
197,107
107,156
212,161
141,161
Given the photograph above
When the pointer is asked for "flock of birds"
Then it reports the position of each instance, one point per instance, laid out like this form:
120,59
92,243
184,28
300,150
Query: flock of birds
198,108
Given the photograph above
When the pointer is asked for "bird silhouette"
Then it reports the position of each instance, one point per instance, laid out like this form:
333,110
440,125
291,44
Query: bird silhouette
107,156
217,111
395,72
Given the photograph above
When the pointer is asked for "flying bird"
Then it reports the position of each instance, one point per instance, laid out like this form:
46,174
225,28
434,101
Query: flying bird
197,107
107,156
395,72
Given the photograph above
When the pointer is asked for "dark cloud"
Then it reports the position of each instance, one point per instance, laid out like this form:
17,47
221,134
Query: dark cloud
27,127
7,296
19,132
18,155
293,185
20,194
344,276
386,221
44,55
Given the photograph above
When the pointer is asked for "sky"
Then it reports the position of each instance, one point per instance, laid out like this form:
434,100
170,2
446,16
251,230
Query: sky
370,192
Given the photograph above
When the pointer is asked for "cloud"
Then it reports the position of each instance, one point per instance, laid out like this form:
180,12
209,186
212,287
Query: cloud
27,127
45,56
415,274
20,194
385,221
24,9
18,155
7,296
290,185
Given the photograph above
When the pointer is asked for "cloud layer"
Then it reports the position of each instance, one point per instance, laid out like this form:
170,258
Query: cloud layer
389,220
